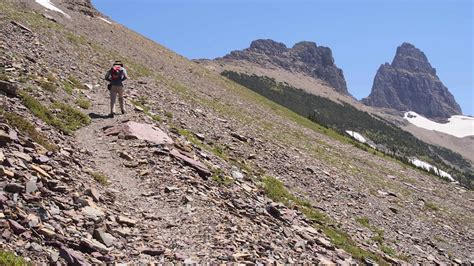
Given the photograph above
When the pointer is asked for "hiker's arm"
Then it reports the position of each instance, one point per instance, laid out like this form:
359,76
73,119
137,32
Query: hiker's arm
125,75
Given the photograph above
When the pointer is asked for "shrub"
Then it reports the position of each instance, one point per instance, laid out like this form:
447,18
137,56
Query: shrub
83,103
71,118
10,259
99,177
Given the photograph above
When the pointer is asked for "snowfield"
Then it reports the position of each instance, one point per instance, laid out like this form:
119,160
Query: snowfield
105,20
47,4
356,136
427,166
459,126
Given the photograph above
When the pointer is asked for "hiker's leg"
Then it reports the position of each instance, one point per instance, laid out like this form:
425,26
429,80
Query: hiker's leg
113,95
120,97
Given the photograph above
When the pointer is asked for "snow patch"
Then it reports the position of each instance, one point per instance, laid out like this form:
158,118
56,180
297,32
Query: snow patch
105,20
47,4
356,136
459,126
428,167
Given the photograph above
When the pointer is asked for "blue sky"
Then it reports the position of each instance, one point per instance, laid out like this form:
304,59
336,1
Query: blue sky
362,34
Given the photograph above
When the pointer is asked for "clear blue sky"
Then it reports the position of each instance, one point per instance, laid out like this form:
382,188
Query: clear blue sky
362,34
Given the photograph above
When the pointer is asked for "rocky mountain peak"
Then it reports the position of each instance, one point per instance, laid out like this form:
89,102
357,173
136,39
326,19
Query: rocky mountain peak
268,46
410,83
304,57
84,6
413,59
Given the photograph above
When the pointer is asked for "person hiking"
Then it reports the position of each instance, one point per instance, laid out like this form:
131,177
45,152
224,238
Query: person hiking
115,76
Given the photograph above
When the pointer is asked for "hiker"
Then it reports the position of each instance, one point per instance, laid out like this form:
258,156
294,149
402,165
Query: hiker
115,76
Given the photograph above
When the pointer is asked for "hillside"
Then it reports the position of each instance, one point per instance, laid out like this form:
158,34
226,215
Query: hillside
246,180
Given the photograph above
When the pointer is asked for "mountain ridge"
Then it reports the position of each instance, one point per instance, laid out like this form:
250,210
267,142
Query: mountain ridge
305,56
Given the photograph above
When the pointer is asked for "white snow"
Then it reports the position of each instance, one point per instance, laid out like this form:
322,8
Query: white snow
427,166
105,20
50,6
459,126
356,136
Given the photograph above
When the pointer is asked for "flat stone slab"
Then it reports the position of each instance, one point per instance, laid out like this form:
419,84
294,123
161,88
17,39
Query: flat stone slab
201,168
134,130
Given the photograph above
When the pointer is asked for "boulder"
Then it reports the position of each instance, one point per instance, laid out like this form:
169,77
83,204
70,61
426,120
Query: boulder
8,89
134,130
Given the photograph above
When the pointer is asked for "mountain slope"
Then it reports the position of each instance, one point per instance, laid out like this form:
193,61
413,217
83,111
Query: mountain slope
245,140
411,84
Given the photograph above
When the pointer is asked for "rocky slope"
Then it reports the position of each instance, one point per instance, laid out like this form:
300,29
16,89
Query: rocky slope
410,83
304,57
99,194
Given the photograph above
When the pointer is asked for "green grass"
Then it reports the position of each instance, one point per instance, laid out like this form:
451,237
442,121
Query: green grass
388,250
83,103
364,221
48,85
68,119
276,191
431,206
75,82
8,258
100,177
219,176
68,87
72,119
24,126
3,77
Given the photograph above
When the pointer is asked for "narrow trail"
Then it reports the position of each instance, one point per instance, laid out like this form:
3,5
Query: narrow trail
104,151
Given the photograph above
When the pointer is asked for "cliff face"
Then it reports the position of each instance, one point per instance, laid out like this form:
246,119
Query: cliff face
411,83
304,57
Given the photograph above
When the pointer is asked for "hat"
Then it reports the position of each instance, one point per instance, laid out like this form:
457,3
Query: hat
118,63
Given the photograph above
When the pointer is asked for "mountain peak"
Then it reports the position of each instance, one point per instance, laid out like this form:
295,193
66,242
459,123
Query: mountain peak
410,84
410,58
304,57
268,46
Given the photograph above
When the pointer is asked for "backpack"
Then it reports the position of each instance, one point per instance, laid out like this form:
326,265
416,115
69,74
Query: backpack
116,73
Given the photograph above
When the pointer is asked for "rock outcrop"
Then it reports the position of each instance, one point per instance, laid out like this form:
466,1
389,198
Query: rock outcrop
411,83
304,57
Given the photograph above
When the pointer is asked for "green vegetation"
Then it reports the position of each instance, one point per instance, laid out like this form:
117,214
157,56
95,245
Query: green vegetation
75,39
8,258
24,126
71,118
219,176
388,250
48,85
68,119
101,178
275,190
340,117
83,103
75,82
431,206
364,221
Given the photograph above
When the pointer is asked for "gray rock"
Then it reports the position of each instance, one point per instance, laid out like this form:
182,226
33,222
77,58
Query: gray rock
105,238
8,88
411,84
31,186
14,188
72,257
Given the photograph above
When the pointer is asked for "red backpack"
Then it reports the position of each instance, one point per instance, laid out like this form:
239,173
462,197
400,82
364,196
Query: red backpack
116,73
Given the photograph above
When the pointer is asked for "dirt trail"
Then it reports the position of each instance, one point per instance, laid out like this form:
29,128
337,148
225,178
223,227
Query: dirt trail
104,151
